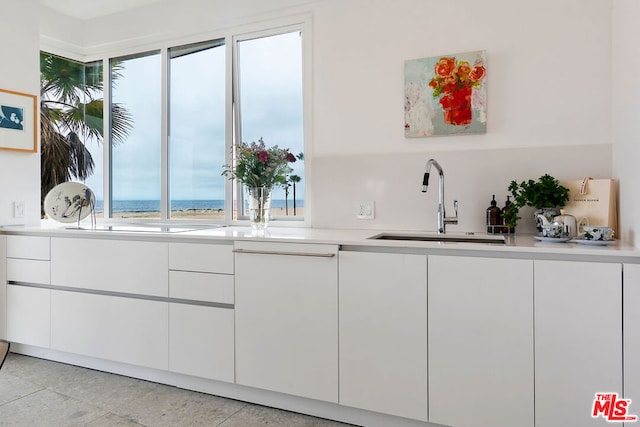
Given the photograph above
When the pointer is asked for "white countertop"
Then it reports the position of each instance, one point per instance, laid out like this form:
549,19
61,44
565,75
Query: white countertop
517,245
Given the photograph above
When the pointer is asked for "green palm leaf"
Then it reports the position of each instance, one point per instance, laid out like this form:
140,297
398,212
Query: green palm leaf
71,113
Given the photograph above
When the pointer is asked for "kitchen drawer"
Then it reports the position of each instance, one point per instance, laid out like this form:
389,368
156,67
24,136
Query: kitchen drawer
127,266
28,315
205,258
201,286
127,330
28,247
28,271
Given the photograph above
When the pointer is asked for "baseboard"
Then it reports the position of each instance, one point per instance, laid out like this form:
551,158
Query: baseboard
328,410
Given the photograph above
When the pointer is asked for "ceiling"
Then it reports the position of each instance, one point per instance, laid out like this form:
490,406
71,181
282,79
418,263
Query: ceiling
88,9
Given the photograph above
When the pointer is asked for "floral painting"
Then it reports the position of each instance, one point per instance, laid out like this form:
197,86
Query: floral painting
445,95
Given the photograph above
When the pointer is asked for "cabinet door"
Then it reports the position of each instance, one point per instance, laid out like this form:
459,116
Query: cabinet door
189,285
3,286
480,341
28,320
383,333
28,271
28,247
287,318
631,338
208,258
125,330
578,339
201,341
133,267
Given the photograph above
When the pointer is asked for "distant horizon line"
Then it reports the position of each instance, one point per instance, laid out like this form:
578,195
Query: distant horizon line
181,200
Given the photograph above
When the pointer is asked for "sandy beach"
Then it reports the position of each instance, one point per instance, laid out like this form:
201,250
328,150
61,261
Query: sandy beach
214,214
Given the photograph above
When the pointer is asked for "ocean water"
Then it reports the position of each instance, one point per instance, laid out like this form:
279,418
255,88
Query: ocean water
179,205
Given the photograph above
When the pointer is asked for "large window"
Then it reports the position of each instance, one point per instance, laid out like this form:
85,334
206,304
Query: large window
71,120
197,130
269,92
94,116
174,115
135,162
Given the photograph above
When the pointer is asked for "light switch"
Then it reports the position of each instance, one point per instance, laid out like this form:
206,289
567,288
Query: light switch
18,209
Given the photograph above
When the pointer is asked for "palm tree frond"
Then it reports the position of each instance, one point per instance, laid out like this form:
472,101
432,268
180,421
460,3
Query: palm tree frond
121,123
72,113
81,159
62,79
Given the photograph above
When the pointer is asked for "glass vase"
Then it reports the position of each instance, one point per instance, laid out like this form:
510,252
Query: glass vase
259,199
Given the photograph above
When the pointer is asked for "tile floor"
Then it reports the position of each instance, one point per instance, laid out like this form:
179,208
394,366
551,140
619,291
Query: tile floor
37,392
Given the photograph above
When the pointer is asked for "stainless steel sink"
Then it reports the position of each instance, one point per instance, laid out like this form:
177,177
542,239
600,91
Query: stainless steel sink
430,237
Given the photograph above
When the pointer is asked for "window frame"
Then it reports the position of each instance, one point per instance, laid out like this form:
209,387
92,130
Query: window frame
107,198
238,191
231,37
219,42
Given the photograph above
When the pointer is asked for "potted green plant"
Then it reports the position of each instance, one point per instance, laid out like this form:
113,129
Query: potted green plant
546,195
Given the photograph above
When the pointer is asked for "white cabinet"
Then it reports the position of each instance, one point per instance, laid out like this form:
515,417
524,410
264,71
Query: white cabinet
125,330
28,307
189,285
110,317
287,318
28,260
3,286
631,338
578,339
201,324
383,333
201,341
28,247
28,271
133,267
208,258
28,314
480,319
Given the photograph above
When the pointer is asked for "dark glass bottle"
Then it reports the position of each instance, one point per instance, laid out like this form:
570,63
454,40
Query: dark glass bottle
494,217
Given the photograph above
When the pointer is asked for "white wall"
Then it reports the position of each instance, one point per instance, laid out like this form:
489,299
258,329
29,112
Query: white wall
393,181
169,19
625,111
63,33
20,72
548,105
549,90
548,71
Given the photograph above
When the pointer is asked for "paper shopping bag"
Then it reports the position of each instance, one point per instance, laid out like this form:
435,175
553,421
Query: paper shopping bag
594,199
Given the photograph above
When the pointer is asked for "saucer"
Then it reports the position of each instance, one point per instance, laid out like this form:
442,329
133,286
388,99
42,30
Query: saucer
594,242
553,239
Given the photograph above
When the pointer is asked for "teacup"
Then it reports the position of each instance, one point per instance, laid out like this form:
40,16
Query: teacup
597,232
554,231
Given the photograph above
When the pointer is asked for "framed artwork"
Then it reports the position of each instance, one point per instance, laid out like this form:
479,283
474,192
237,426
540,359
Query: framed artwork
18,121
445,95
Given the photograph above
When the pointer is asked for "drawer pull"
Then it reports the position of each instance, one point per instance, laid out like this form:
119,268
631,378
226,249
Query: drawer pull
250,251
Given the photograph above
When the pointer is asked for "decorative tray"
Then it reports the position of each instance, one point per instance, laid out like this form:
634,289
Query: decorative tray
69,202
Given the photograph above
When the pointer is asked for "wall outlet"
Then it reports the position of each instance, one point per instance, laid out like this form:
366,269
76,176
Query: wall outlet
18,209
365,210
